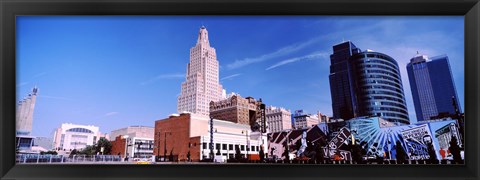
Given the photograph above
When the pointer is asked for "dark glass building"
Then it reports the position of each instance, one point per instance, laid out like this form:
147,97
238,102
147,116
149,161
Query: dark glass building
366,83
343,101
432,85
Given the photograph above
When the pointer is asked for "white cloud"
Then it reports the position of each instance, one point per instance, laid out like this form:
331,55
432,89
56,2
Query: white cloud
163,76
292,60
231,76
280,52
110,113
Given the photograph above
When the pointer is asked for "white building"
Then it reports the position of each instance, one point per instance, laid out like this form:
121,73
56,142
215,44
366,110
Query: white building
305,121
74,136
202,78
139,140
278,119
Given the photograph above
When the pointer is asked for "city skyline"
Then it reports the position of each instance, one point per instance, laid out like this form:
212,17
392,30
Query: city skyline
150,53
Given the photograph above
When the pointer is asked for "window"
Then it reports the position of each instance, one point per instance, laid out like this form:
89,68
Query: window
224,146
204,145
230,147
242,147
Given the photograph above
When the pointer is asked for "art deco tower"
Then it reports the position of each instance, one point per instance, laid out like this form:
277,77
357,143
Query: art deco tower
25,113
202,78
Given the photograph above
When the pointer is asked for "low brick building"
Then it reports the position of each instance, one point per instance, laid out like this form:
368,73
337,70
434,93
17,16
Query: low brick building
179,134
118,146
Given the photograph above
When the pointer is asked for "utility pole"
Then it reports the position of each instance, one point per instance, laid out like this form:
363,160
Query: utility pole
211,138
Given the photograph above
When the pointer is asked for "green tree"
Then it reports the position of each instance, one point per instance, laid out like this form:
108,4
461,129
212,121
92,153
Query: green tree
106,144
89,150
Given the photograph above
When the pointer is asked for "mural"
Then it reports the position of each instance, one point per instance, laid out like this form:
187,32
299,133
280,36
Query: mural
376,137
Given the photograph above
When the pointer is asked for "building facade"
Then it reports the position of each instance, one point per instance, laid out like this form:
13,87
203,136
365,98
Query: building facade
432,85
278,119
375,85
305,121
202,78
138,139
189,134
73,136
236,109
341,78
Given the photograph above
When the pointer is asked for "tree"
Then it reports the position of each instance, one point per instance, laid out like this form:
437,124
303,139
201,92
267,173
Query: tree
455,150
401,155
106,144
89,150
73,152
48,152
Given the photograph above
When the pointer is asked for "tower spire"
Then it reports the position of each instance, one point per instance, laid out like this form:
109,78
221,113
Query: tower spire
203,36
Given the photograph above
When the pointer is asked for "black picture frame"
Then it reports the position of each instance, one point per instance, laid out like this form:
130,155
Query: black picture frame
9,9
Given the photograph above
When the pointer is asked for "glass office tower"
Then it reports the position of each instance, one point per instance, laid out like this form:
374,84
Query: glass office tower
432,85
366,83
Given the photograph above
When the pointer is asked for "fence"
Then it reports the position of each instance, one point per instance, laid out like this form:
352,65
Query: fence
36,158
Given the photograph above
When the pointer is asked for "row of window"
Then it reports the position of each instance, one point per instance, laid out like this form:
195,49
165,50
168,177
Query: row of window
219,146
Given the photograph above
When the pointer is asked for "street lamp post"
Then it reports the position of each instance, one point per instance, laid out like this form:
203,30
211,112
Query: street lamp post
246,137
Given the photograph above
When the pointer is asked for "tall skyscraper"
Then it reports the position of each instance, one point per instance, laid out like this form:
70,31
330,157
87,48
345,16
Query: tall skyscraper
366,83
432,86
343,101
202,78
24,115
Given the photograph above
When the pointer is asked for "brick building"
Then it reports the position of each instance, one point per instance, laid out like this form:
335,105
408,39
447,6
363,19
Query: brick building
179,134
237,109
118,146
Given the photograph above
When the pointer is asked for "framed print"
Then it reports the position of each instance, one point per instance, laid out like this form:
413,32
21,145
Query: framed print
239,89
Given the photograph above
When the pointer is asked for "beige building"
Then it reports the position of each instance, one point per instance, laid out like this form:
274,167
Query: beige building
202,78
138,138
305,121
236,109
278,119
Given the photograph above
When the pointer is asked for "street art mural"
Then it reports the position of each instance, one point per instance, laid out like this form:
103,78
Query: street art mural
375,136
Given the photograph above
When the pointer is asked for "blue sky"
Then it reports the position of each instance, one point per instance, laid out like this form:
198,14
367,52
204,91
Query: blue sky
117,71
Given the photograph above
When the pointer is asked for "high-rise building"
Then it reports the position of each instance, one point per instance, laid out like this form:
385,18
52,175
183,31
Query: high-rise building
278,119
24,115
341,88
202,78
366,83
432,86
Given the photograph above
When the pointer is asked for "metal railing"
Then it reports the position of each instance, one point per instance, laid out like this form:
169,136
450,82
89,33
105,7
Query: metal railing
36,158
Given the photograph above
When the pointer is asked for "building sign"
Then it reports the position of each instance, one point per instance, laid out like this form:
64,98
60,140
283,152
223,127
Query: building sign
337,154
416,140
339,139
